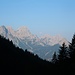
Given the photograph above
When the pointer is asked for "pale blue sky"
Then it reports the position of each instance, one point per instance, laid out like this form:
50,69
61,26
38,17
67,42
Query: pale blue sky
40,16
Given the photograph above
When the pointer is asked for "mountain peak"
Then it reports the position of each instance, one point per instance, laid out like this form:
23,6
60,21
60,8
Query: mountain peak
3,31
52,40
3,27
23,32
23,28
10,28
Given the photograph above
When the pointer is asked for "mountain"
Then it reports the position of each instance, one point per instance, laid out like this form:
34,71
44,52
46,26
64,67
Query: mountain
43,46
14,60
52,40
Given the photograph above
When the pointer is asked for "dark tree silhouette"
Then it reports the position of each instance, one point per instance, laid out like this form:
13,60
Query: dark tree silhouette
72,49
54,59
72,54
62,56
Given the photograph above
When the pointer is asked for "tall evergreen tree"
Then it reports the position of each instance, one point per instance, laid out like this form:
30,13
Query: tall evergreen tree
62,56
54,59
72,54
72,49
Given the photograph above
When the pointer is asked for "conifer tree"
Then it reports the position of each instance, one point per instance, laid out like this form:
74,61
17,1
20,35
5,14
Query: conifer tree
54,59
72,49
62,56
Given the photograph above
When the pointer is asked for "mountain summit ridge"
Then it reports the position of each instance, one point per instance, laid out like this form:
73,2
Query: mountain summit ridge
44,46
23,31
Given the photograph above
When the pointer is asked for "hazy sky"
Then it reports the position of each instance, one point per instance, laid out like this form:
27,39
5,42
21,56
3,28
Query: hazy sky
40,16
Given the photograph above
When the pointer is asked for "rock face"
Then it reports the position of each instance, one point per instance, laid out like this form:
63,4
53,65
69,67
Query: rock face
44,46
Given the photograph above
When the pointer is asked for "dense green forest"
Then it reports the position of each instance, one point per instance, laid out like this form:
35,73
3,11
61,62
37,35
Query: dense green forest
14,60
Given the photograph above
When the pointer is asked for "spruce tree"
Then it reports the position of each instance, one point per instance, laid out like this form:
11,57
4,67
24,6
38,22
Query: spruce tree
62,56
72,54
54,59
72,49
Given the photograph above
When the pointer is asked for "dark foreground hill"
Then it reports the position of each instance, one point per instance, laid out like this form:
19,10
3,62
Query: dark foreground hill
14,60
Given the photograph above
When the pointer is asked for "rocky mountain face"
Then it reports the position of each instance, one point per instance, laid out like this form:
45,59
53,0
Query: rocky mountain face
43,46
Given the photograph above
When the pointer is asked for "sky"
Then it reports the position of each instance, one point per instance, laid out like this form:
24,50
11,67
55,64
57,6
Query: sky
54,17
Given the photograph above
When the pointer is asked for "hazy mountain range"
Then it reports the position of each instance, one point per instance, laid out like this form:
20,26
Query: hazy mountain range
43,46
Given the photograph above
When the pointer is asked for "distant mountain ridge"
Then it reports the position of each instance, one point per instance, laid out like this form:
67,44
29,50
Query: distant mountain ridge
44,46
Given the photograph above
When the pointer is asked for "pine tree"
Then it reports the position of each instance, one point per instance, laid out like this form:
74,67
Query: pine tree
62,56
72,49
72,54
54,59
